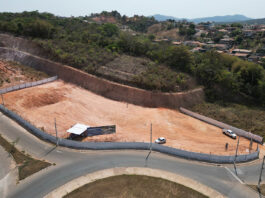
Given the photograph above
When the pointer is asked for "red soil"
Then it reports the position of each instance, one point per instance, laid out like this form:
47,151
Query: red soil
70,104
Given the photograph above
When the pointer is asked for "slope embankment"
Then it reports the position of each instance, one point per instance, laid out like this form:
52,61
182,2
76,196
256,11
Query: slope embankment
101,86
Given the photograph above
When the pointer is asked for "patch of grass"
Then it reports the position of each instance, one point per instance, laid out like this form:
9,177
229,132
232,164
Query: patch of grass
134,186
26,165
262,188
241,116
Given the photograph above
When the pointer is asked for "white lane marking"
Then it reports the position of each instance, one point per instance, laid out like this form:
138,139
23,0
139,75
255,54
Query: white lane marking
236,177
58,151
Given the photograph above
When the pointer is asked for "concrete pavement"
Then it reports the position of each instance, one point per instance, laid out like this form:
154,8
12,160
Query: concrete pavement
8,172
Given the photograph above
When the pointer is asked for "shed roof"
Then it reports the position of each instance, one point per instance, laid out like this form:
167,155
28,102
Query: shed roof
78,129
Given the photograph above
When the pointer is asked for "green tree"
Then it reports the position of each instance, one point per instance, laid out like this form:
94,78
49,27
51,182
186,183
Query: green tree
110,30
178,57
39,28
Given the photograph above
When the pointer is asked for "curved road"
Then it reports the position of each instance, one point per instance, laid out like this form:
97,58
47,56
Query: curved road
71,164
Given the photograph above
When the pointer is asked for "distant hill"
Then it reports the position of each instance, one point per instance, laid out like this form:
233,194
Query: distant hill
160,17
254,21
225,19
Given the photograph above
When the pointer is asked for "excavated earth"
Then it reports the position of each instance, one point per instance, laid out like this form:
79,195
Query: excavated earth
70,104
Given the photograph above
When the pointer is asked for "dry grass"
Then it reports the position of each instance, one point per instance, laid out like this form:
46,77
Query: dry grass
133,186
247,118
262,188
26,165
12,73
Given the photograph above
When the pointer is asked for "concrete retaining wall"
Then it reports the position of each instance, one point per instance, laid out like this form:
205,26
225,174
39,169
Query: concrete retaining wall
221,125
104,87
128,145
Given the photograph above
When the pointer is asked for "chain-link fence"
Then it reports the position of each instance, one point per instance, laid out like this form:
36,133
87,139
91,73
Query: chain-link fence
27,85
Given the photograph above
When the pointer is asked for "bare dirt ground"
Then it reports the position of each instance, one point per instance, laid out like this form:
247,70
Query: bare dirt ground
12,74
70,104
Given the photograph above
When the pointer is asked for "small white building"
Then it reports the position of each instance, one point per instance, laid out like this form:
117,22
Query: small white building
78,130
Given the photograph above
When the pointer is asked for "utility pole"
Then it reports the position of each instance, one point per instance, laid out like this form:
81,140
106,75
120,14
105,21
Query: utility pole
151,143
261,173
250,144
236,154
56,131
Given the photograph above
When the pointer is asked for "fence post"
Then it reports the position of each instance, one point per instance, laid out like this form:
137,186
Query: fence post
236,154
261,173
56,131
2,100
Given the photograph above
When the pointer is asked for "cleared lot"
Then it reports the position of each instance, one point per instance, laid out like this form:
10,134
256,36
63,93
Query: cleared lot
70,104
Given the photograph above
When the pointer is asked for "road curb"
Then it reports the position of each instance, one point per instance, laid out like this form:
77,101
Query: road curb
91,177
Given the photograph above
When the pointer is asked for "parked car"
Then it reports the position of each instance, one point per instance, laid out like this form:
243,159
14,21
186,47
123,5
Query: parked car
160,140
229,133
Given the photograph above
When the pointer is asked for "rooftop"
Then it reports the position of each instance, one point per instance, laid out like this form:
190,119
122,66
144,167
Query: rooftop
78,129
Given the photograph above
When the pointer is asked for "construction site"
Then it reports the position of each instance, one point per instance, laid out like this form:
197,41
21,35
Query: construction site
70,104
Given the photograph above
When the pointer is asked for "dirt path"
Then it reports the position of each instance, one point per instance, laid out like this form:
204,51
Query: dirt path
70,104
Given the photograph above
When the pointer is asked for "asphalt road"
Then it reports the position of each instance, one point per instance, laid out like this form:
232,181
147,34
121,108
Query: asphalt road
71,164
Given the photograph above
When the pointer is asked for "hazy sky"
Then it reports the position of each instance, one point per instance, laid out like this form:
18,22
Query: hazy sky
177,8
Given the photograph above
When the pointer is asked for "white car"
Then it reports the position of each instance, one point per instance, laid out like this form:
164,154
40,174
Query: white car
160,140
229,133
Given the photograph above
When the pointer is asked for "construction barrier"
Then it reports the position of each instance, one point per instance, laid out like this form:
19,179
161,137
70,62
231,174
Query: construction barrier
27,85
128,145
221,125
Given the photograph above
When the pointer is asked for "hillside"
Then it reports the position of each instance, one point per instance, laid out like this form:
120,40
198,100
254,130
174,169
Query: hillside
12,73
254,21
160,17
225,19
106,50
160,31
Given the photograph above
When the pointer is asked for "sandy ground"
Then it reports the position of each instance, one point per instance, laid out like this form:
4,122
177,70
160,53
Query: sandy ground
70,104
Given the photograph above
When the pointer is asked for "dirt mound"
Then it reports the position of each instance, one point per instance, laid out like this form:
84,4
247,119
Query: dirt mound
43,98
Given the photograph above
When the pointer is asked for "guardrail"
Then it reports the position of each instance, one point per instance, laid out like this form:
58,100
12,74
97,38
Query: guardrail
221,125
127,145
27,85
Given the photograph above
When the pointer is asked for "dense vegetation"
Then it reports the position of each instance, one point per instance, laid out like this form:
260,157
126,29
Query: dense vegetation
88,45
